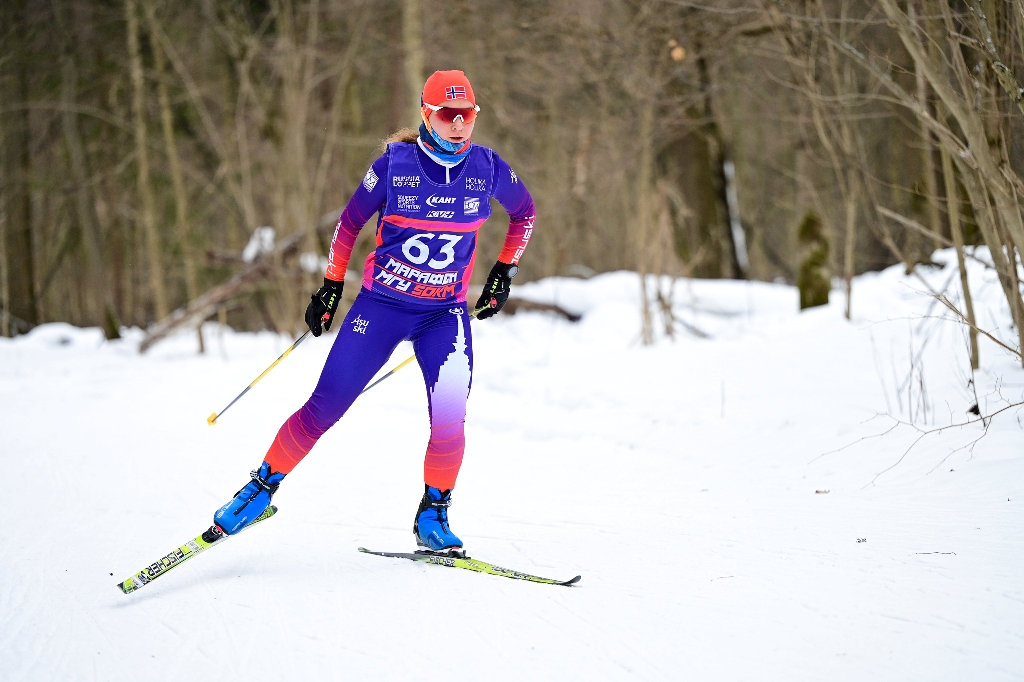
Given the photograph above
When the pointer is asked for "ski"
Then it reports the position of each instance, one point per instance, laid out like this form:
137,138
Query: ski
176,557
471,565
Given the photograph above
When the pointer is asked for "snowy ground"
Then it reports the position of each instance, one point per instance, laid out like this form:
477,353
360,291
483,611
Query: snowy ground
680,480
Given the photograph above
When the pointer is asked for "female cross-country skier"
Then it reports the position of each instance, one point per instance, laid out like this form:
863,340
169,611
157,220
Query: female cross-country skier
432,192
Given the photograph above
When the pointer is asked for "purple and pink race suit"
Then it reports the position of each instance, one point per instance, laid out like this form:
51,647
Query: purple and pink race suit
414,288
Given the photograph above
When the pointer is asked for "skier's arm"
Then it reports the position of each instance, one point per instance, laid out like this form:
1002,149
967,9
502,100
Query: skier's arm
369,197
513,196
517,202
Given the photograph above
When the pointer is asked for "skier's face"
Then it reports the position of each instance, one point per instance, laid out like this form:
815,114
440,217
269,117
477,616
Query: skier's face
457,131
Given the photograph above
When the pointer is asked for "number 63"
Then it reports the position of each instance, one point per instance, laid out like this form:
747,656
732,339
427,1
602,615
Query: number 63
418,252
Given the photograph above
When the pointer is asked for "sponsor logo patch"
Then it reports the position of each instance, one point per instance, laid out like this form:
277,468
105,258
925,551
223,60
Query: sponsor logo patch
359,325
405,180
476,184
515,178
471,206
408,203
440,214
435,200
370,180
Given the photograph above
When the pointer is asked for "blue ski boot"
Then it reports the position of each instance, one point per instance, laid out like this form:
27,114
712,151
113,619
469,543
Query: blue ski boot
250,501
431,525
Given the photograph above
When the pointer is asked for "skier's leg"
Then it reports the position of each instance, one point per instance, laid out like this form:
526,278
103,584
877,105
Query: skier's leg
365,340
444,348
371,331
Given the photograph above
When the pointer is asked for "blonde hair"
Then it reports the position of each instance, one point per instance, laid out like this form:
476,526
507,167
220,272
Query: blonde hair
401,135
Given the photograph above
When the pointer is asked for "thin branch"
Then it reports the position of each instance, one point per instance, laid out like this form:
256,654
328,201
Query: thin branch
912,224
956,311
966,40
986,421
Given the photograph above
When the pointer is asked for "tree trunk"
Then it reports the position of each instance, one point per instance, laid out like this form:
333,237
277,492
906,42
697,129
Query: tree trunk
953,210
986,220
850,244
5,289
930,188
99,302
642,217
412,46
173,160
21,257
153,251
713,134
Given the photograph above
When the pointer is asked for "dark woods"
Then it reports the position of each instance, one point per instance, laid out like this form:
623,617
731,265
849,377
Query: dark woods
144,141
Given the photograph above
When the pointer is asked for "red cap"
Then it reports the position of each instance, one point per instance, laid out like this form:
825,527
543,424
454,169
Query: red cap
446,86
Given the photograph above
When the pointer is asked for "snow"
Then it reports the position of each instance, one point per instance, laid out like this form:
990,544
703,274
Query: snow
679,479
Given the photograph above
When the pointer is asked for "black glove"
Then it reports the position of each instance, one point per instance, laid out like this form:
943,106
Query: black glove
496,290
324,301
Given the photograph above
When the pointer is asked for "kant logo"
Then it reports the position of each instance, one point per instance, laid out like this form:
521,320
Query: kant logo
435,201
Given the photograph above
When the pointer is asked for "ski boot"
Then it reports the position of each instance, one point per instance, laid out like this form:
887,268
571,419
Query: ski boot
249,502
433,535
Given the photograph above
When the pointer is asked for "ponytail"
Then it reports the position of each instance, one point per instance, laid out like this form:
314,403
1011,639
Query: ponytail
409,135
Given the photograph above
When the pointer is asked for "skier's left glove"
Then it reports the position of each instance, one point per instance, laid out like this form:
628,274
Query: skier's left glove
324,302
496,290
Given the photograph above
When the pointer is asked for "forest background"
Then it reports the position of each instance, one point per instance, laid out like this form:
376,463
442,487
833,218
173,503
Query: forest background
145,142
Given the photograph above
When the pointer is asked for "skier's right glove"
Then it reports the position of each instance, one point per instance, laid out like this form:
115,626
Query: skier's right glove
324,302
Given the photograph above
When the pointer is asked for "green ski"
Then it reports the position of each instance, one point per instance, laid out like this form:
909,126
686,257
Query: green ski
471,565
209,538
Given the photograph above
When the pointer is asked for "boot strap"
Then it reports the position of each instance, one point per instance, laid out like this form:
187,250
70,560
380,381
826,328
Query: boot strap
269,487
437,504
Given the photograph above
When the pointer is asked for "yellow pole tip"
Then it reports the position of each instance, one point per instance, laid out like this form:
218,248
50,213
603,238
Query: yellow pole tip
212,419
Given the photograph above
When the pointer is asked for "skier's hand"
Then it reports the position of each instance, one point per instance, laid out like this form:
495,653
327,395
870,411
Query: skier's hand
323,305
496,290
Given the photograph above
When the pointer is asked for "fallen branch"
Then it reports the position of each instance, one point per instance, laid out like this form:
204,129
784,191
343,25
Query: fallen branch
515,305
207,303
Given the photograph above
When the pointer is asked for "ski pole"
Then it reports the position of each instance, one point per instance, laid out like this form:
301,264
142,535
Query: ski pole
397,367
409,359
212,419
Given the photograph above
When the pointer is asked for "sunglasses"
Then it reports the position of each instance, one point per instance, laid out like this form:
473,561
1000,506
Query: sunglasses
450,114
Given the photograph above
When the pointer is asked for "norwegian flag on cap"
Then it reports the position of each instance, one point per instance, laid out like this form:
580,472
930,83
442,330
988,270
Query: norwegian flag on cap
445,86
